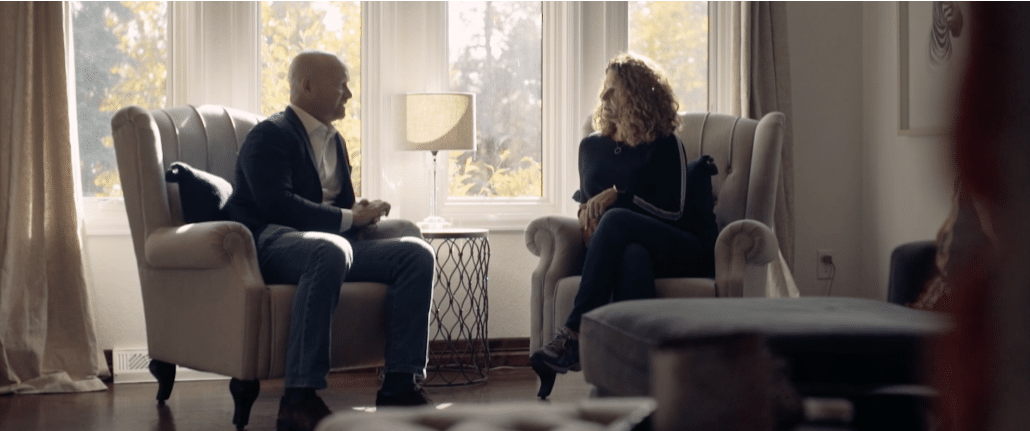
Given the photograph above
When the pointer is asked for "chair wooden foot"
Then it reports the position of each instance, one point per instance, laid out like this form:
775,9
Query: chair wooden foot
244,393
164,372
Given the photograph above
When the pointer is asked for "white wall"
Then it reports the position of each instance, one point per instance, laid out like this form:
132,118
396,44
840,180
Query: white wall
909,180
825,42
112,276
116,294
860,188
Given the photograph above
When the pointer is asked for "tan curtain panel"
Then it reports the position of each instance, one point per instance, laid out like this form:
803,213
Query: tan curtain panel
48,340
768,91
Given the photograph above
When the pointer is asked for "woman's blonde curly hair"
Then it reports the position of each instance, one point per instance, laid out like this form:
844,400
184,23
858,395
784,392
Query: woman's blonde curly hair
643,106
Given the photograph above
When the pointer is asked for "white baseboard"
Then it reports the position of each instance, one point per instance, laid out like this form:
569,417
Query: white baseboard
132,366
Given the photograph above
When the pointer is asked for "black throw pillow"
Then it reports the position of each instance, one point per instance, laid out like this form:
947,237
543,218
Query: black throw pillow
700,203
203,195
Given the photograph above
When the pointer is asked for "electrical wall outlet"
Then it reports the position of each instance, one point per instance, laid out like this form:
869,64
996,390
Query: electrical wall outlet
824,264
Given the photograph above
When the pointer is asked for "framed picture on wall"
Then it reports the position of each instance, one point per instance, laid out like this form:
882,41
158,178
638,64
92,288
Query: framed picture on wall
932,48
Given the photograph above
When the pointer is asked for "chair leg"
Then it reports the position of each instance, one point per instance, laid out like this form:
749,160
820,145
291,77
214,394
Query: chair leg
244,393
164,372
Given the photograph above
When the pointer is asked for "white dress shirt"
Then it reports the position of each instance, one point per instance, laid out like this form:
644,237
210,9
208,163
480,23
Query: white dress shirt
323,156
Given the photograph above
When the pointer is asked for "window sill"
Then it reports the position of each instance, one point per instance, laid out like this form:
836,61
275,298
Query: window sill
502,214
105,217
493,223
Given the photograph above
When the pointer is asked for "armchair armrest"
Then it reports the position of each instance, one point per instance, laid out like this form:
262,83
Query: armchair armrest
205,245
912,265
740,244
559,244
204,298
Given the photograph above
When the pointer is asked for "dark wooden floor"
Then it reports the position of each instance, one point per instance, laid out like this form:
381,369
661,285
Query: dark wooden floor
207,405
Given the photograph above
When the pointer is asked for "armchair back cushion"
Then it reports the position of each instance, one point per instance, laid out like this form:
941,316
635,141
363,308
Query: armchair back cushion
747,157
204,137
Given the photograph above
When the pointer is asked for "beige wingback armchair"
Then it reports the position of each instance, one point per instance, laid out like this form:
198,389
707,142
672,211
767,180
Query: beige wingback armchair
205,303
747,154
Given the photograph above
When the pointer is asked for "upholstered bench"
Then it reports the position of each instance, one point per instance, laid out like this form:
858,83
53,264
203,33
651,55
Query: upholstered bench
833,346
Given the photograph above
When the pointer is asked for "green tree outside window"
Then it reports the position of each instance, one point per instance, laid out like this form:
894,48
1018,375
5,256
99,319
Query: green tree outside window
121,51
675,35
496,53
291,27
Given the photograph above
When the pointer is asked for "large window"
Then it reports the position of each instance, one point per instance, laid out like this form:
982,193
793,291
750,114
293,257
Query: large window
495,52
121,58
512,55
287,28
675,35
121,51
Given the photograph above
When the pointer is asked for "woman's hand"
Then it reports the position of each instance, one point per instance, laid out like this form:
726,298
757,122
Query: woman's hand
590,213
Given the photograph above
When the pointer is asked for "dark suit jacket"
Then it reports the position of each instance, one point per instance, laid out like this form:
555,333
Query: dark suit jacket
276,181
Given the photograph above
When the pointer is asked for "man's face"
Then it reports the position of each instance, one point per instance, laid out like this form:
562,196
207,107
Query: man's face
331,92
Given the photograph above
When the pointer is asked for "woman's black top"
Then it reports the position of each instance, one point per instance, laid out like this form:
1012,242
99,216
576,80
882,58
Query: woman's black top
653,178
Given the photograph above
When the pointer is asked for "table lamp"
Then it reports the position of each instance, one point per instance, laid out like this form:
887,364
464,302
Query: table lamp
435,122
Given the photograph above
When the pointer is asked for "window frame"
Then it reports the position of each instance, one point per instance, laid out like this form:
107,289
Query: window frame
560,88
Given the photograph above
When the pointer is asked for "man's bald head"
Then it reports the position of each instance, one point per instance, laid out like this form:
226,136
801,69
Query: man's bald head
311,64
318,84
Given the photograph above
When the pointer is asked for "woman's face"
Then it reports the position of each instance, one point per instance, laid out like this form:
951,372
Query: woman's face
611,93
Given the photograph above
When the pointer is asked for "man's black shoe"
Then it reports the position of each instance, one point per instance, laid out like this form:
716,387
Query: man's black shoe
416,396
301,414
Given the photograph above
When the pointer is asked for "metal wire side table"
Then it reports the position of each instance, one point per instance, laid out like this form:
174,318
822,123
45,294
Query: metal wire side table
459,353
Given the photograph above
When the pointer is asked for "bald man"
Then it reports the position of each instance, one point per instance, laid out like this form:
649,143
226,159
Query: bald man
293,190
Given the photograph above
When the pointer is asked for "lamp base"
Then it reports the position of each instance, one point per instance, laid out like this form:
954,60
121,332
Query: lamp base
433,222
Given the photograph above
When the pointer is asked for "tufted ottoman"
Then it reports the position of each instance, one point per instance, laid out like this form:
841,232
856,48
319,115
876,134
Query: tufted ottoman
833,346
614,414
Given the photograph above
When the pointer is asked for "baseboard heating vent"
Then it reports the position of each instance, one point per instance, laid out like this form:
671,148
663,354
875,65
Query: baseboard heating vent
133,366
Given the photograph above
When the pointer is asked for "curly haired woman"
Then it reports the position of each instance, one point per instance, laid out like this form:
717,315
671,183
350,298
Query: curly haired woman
634,212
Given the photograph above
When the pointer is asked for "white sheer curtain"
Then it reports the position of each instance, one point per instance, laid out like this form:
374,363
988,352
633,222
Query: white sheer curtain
48,340
750,77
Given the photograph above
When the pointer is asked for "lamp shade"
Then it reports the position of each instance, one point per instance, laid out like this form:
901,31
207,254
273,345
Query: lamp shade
440,121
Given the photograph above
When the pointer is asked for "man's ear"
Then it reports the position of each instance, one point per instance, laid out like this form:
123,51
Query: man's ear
307,87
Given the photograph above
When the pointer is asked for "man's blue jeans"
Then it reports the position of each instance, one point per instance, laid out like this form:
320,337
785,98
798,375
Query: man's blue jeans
318,263
627,251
